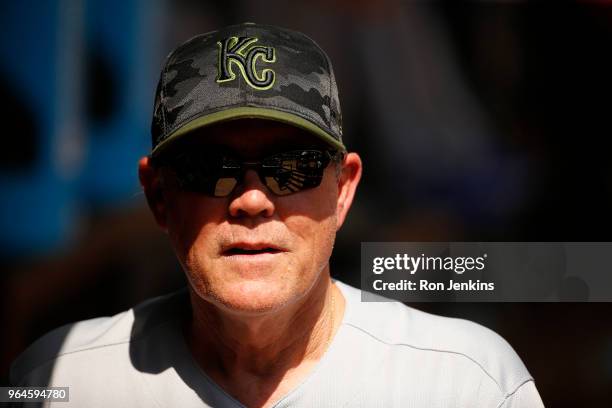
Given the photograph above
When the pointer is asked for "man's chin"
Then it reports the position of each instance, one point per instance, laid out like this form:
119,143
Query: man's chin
256,296
254,267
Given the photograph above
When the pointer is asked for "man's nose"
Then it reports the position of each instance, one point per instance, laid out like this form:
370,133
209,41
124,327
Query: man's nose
251,198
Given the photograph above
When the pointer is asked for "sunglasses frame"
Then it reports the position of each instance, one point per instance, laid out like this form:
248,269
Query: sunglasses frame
282,173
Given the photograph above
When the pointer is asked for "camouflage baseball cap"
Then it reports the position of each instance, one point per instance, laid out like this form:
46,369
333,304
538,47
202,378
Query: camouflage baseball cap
247,71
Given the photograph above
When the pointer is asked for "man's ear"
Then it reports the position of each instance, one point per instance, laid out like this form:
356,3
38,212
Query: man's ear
347,185
151,184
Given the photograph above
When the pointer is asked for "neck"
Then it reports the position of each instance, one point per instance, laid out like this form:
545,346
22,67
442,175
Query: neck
230,345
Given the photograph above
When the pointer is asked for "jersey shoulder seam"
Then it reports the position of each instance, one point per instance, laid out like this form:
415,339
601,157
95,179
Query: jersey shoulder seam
502,392
508,395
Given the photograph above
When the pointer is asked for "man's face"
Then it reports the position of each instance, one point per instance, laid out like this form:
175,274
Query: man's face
254,251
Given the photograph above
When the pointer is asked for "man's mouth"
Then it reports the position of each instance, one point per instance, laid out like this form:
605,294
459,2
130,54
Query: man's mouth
244,251
251,249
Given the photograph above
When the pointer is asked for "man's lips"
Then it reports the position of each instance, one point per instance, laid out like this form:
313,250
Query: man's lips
251,248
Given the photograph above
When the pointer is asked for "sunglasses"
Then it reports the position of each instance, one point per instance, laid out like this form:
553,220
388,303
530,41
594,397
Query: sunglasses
217,174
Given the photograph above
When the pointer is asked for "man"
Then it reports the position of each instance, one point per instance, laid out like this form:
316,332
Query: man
250,179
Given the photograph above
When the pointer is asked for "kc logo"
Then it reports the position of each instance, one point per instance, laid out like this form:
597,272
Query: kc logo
241,52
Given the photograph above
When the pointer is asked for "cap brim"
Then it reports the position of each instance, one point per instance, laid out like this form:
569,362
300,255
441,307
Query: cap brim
244,112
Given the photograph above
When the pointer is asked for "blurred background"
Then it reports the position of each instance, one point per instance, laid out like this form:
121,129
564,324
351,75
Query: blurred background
477,121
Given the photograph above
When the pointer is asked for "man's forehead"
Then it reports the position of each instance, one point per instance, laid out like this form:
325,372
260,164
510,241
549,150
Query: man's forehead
252,137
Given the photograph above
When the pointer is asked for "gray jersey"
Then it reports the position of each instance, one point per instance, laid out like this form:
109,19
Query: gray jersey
383,355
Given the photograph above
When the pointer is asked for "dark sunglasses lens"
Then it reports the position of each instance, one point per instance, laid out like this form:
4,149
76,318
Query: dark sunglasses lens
224,186
290,172
213,175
